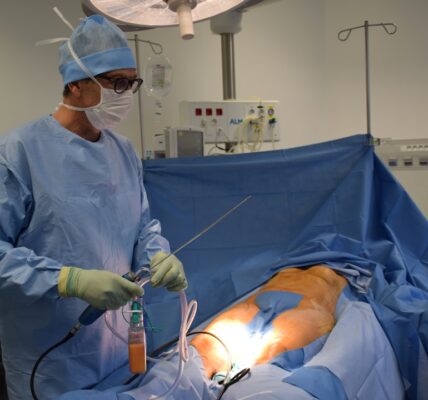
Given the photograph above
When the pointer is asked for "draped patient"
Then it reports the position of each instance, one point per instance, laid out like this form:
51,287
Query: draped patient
251,340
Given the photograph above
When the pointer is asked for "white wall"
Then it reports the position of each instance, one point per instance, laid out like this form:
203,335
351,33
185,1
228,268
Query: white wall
399,65
29,79
286,51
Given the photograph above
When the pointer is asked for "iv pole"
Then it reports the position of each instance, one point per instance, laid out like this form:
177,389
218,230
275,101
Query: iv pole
344,34
159,50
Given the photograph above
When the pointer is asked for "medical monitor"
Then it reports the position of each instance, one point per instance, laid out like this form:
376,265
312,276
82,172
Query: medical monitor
184,141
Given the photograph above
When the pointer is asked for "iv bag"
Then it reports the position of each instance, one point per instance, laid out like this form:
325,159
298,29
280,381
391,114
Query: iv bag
158,76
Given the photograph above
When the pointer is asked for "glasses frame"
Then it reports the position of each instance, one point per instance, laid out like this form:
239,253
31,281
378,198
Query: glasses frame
129,86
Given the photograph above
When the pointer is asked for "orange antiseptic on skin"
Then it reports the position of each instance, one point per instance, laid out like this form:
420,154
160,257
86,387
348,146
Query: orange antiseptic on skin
314,316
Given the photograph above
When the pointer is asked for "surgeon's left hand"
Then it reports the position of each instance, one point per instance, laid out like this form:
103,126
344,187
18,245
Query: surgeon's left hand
168,273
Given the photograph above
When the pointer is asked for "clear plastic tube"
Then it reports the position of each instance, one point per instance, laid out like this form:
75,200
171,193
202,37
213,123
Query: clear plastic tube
166,356
188,312
114,331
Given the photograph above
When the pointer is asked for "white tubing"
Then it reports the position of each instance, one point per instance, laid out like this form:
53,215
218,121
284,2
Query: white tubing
114,331
188,312
167,356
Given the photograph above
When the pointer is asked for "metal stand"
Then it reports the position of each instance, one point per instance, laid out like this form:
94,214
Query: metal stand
227,25
344,34
228,66
157,49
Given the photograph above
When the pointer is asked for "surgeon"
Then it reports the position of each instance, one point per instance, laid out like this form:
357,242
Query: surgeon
74,217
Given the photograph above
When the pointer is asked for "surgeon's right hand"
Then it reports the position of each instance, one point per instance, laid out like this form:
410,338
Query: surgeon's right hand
101,289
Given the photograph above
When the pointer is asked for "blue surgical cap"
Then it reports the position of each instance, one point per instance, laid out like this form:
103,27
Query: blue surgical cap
100,45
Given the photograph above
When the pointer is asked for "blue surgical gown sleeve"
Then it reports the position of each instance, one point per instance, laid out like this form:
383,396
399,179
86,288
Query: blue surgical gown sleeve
65,201
149,240
24,276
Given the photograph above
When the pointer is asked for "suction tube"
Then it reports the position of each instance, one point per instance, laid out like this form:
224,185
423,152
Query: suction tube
188,312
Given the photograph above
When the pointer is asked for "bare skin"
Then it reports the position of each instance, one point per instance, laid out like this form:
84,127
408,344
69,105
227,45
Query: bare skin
312,318
86,93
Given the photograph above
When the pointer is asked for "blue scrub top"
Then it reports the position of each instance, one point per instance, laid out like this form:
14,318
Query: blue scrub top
65,201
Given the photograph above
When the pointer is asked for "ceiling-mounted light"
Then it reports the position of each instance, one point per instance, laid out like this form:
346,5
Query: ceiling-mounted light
145,14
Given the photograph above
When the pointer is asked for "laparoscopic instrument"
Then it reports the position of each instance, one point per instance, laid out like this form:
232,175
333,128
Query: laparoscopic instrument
91,314
136,335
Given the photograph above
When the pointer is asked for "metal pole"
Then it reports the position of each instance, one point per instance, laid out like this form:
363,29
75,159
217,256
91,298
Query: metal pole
366,34
343,36
140,95
228,66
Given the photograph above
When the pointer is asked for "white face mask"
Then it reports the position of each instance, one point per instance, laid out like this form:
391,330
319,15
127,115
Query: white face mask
112,108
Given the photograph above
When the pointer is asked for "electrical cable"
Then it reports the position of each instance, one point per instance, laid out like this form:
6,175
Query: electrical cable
188,312
159,350
241,374
131,379
256,124
69,335
216,147
77,327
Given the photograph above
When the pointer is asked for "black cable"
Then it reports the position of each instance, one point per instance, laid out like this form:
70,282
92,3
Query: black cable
132,378
155,353
61,342
159,350
235,379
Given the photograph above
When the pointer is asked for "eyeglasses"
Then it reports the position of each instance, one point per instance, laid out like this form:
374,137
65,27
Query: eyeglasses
122,84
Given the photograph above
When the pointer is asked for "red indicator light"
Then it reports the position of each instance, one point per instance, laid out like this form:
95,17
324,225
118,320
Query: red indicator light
198,111
219,111
209,111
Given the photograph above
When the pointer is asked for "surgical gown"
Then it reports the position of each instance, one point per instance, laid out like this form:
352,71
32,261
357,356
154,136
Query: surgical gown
65,201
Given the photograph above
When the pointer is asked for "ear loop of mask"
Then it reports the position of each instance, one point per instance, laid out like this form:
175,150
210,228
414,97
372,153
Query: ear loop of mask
78,62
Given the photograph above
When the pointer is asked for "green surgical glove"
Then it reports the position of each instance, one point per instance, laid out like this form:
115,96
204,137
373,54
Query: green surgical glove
168,273
101,289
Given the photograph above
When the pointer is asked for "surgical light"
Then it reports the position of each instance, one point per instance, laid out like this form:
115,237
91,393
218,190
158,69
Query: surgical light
144,14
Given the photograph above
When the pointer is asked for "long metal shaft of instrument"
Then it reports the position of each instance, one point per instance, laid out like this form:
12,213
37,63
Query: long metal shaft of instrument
91,314
205,230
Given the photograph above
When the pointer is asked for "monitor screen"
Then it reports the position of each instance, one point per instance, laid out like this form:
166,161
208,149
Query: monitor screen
190,143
